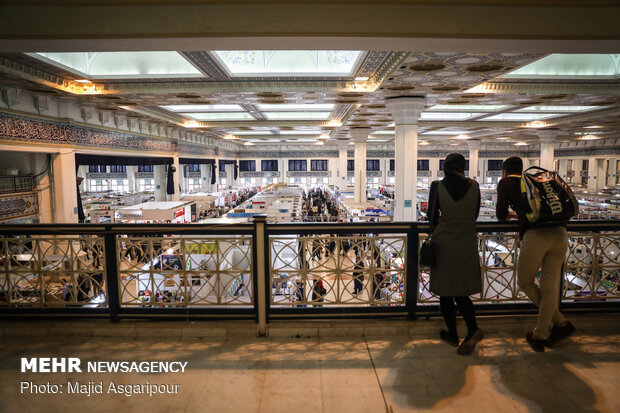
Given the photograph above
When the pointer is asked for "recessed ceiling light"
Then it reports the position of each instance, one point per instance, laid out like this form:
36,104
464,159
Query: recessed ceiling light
593,127
221,117
295,107
297,115
228,136
589,138
548,109
518,117
319,143
448,115
204,108
462,137
520,144
424,143
249,143
252,132
83,81
465,108
501,139
361,78
536,124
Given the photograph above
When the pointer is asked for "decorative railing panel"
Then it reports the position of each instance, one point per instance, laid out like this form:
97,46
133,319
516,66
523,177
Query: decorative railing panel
185,271
323,270
15,183
52,272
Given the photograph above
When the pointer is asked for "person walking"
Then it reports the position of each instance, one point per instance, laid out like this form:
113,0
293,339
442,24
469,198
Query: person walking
542,248
454,204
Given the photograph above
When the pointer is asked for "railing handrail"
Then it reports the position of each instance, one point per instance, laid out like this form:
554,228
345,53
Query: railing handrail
246,228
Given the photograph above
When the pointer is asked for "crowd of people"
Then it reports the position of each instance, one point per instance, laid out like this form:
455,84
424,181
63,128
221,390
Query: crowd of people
317,205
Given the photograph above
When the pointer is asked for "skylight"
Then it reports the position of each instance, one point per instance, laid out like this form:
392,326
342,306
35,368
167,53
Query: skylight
467,108
121,65
558,108
297,115
518,117
295,106
230,116
204,108
570,66
447,115
336,63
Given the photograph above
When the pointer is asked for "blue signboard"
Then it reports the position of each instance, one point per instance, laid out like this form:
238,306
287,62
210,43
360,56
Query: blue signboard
407,203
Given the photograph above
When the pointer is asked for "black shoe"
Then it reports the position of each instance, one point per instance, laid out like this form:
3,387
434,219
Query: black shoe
467,346
537,344
449,338
560,333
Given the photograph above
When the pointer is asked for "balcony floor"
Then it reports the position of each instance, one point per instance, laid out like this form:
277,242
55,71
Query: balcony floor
374,371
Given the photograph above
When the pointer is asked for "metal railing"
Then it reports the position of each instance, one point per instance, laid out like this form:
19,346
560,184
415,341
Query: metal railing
261,271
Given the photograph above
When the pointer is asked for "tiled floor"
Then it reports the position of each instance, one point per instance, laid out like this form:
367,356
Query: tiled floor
354,374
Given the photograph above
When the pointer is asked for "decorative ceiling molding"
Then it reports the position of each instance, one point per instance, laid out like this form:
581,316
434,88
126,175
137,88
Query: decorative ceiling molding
540,88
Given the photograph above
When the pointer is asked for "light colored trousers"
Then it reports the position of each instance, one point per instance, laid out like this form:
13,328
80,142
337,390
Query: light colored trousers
543,248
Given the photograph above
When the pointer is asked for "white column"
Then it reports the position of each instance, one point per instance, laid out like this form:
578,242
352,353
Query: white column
341,173
65,187
205,177
563,168
547,147
131,178
406,112
176,178
592,174
474,147
434,167
601,173
360,136
159,176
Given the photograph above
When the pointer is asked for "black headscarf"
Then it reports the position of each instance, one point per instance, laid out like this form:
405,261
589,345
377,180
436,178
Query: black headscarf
454,176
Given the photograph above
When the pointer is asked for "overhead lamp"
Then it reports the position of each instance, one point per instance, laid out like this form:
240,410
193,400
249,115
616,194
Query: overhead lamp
334,122
323,136
229,136
593,127
521,144
361,78
319,143
589,138
83,81
501,139
424,143
248,143
536,124
191,124
462,137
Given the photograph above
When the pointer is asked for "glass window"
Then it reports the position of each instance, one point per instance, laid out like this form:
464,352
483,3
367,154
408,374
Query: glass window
495,164
372,165
392,164
391,180
118,168
145,168
93,168
297,165
247,166
223,181
318,165
350,164
423,164
193,167
146,185
269,165
119,185
194,185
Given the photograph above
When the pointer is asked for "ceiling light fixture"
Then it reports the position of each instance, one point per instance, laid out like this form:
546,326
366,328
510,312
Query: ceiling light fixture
536,124
424,143
461,137
361,78
589,138
521,144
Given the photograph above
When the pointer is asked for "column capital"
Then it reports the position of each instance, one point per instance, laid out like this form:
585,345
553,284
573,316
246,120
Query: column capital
359,135
474,144
547,135
406,110
343,144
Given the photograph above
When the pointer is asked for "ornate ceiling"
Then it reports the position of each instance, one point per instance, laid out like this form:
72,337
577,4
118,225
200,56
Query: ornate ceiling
466,96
